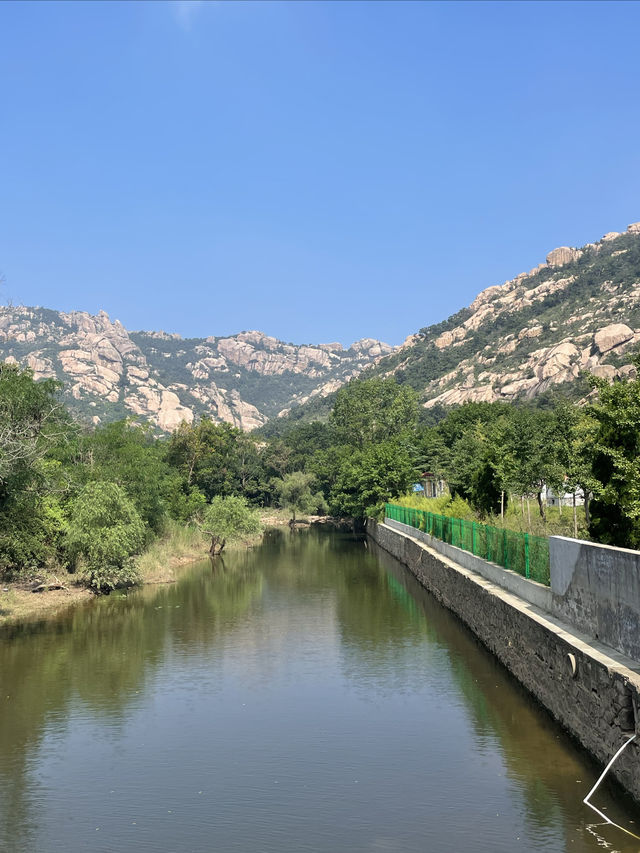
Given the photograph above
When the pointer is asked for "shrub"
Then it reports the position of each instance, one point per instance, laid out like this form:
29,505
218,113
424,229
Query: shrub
105,531
228,519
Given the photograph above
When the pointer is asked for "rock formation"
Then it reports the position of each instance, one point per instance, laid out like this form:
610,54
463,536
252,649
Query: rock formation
576,314
108,372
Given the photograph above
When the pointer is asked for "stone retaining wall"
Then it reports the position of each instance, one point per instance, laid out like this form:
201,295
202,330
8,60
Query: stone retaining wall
592,690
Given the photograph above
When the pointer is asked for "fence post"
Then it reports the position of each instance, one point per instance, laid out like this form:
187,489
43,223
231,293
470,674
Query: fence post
505,550
526,555
473,538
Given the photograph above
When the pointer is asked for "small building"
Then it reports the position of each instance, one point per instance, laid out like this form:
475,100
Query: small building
432,485
552,498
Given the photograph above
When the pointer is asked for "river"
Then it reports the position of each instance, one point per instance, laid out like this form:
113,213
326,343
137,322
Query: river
306,695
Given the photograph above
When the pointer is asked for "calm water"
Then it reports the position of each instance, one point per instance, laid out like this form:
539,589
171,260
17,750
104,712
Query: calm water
304,696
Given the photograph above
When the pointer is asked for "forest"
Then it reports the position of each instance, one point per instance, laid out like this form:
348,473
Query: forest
90,498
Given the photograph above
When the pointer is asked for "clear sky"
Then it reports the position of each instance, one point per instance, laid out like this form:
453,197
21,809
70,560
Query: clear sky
320,171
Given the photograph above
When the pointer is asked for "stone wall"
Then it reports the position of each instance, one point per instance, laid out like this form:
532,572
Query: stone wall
596,588
591,690
531,591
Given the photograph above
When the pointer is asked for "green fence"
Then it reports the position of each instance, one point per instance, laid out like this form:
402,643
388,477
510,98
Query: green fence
523,553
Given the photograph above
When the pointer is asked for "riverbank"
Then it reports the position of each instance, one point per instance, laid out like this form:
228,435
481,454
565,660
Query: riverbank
181,545
18,601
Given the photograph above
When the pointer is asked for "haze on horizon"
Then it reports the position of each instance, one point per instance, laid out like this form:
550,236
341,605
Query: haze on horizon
318,171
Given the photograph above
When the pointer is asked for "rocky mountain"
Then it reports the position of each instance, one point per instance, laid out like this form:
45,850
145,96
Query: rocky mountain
578,312
574,314
108,372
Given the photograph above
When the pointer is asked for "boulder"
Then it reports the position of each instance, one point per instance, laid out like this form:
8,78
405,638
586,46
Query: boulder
612,336
530,332
605,371
562,255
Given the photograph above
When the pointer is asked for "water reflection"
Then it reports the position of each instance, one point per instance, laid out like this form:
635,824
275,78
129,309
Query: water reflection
307,694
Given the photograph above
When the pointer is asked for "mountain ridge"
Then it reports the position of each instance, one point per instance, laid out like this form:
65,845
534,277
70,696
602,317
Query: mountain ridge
109,372
576,313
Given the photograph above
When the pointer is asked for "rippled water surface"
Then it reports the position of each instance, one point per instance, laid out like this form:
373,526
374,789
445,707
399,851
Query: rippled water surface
303,696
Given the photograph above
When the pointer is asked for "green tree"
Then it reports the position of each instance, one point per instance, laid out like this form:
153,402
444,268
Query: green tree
531,455
227,519
294,493
105,531
615,452
367,411
217,458
32,424
127,453
370,477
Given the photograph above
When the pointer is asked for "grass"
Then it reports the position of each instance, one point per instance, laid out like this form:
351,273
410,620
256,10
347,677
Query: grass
272,516
180,544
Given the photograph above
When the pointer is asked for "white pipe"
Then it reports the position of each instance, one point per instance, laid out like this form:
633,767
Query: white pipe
595,787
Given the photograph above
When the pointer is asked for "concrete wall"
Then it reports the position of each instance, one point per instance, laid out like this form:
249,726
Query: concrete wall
591,690
596,588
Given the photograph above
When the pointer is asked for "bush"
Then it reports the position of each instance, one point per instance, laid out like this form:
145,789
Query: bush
105,531
228,519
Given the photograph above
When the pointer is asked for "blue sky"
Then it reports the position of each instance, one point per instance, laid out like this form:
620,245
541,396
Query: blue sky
319,171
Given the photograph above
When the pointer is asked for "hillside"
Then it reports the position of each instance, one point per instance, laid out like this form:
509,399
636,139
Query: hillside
578,312
108,372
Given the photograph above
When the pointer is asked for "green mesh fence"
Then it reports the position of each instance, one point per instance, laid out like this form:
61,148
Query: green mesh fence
523,553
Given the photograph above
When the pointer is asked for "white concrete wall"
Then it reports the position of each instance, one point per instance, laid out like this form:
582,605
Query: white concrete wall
597,589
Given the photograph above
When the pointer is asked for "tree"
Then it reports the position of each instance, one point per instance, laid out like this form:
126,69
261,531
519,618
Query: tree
367,411
31,419
217,458
126,452
531,459
615,453
32,424
227,519
294,493
573,430
105,531
369,478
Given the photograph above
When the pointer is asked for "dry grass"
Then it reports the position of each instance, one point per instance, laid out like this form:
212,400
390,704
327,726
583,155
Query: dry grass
181,544
18,603
274,516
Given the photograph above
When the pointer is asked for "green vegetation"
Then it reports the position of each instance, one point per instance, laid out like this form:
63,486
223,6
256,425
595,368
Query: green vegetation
516,517
613,438
227,520
91,500
105,531
294,493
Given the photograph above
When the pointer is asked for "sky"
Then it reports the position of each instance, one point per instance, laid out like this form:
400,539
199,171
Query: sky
321,171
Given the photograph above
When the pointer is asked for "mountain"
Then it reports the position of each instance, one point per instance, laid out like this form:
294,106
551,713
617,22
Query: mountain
577,313
108,372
